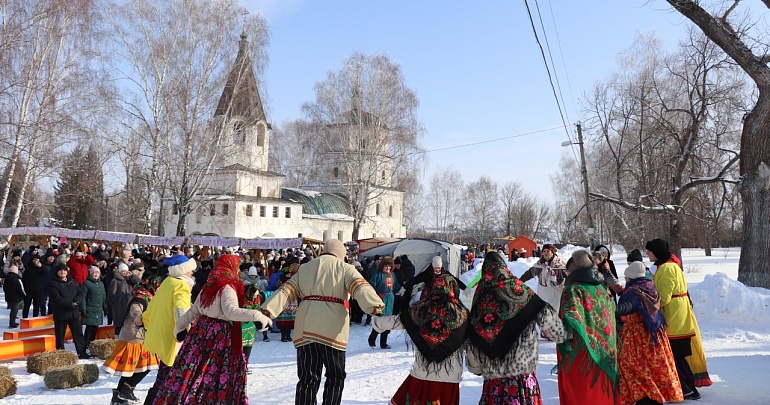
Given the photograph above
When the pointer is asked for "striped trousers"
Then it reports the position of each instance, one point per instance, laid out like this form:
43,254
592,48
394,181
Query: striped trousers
311,358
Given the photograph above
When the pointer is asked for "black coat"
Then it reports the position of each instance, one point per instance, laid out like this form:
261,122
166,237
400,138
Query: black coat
408,268
35,278
63,294
14,290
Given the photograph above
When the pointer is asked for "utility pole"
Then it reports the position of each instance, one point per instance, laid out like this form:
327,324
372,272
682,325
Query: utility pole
584,171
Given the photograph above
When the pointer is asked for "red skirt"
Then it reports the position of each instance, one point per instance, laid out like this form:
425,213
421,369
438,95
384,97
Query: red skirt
414,391
577,386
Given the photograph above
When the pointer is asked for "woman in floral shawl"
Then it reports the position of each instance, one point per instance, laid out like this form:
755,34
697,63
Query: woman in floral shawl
210,367
587,360
437,327
503,339
647,370
129,359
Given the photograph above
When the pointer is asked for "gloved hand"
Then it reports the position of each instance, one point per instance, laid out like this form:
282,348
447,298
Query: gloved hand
261,322
75,306
181,335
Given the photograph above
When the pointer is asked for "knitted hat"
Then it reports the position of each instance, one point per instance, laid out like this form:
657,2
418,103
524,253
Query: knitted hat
252,271
335,247
550,247
122,267
179,265
357,265
437,262
397,260
635,256
659,248
93,269
635,270
62,266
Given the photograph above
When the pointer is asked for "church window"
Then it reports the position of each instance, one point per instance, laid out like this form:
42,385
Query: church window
261,135
336,172
383,174
390,211
288,212
374,234
326,235
362,143
275,212
377,209
199,215
225,209
249,210
239,135
212,209
259,191
339,235
262,211
392,235
175,209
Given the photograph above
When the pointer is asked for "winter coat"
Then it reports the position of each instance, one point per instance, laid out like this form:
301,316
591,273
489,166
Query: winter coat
386,285
79,268
171,301
13,288
35,279
130,332
119,295
675,301
407,267
94,302
324,322
62,295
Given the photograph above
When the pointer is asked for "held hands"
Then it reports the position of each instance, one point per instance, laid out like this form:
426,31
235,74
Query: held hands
262,322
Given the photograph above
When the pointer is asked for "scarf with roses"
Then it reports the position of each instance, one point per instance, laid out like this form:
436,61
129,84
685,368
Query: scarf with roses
502,308
588,314
437,324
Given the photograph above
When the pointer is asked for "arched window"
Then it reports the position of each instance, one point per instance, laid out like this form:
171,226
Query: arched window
377,209
239,135
390,211
336,172
259,191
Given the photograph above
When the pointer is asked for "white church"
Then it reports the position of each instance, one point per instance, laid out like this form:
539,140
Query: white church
246,200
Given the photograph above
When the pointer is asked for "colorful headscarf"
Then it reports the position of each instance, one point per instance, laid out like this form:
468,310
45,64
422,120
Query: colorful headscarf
502,308
145,290
588,314
437,325
225,274
642,294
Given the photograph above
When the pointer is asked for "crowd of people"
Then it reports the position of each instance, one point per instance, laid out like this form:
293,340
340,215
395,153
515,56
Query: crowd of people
195,321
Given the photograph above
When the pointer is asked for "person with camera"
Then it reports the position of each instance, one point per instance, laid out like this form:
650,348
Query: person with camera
79,265
66,300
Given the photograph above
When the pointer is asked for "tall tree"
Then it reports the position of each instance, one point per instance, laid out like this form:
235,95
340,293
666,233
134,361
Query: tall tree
370,130
444,202
482,209
176,55
79,192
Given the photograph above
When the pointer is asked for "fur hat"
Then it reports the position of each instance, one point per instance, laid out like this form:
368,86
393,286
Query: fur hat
252,271
437,262
179,265
635,256
635,270
335,247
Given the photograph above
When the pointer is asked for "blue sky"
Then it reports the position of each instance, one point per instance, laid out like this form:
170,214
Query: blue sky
475,67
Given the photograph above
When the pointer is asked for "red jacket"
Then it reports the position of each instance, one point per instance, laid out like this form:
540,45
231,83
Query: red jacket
79,268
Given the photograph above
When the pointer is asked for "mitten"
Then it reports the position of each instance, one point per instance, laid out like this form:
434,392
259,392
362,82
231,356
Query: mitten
181,335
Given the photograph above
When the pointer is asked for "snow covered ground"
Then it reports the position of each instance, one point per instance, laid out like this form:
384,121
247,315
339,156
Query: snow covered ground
734,320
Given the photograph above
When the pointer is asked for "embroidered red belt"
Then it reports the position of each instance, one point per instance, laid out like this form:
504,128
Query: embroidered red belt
679,295
323,298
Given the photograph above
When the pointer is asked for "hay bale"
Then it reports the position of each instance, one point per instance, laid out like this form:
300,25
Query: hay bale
7,382
40,363
101,348
71,376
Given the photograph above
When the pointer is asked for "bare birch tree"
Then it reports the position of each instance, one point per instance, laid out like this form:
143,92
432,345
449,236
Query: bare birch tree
482,209
444,202
371,130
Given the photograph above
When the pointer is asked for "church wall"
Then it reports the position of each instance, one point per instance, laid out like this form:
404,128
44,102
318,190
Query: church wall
249,184
255,225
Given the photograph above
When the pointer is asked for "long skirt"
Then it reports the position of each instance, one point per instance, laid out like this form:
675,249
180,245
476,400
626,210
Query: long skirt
129,358
646,368
206,371
697,360
580,386
414,391
517,390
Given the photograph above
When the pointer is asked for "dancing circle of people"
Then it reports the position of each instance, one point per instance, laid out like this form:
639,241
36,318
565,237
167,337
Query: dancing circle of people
632,344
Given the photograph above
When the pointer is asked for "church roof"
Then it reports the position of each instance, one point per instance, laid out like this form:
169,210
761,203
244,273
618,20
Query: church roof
315,203
240,97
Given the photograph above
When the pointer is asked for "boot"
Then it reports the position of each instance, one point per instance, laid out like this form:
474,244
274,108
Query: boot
127,393
265,338
372,339
384,340
116,399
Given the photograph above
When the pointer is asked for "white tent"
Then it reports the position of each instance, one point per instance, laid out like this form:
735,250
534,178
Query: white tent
420,253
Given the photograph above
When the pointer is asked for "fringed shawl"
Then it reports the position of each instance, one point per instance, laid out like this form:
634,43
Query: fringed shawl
502,308
641,293
437,324
225,274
